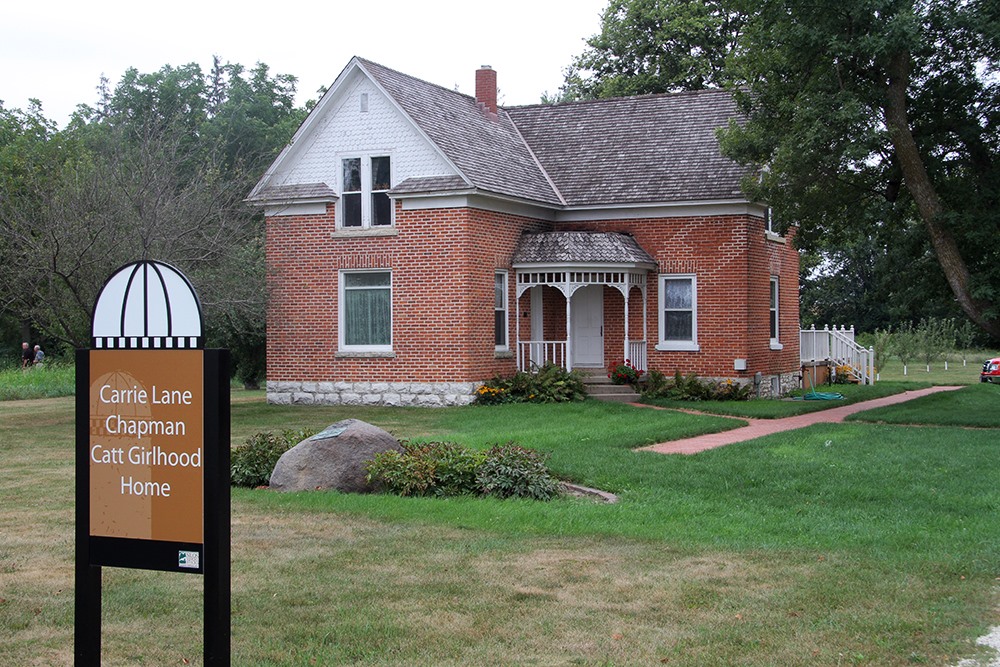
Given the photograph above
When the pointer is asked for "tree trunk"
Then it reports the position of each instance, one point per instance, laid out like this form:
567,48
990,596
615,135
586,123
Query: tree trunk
920,187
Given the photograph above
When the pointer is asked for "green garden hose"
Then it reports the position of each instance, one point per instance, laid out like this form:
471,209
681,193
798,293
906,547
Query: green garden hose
814,395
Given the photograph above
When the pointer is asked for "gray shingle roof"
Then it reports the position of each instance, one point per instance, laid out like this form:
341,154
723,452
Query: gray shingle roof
430,184
487,150
294,193
656,148
588,247
637,150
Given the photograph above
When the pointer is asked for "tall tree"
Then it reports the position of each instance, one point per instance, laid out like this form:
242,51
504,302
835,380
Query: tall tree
653,46
158,170
886,107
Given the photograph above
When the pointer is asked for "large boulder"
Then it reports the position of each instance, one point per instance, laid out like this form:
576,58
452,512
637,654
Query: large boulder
335,458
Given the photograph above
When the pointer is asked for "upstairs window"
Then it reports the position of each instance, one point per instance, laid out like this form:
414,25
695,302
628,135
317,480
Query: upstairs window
351,194
381,182
365,184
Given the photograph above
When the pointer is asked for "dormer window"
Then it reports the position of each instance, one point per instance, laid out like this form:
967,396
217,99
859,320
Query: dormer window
365,192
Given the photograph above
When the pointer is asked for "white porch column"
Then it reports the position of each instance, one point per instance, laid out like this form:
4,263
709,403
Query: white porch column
517,326
628,292
645,313
569,327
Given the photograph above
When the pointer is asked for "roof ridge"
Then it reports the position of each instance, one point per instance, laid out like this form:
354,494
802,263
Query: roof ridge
366,62
608,100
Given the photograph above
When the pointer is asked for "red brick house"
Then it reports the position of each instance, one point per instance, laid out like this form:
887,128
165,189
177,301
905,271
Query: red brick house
421,241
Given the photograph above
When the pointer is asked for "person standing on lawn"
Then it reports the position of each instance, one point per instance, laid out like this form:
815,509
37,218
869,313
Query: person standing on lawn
26,356
39,356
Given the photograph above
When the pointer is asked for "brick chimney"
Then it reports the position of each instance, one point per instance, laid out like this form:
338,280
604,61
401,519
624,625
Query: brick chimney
486,88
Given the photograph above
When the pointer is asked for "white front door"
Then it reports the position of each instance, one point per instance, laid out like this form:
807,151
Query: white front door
587,326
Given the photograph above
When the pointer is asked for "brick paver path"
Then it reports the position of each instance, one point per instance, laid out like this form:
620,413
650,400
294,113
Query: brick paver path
761,427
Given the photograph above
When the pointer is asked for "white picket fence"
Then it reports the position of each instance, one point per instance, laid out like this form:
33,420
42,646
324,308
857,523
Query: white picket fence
836,347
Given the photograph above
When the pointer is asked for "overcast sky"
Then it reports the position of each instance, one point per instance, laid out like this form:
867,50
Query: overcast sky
57,51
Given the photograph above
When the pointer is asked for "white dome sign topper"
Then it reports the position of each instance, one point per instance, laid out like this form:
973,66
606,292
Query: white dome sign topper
147,305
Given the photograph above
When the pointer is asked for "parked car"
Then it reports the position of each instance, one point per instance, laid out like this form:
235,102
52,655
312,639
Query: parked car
991,371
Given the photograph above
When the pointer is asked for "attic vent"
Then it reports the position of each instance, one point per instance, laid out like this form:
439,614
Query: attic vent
364,102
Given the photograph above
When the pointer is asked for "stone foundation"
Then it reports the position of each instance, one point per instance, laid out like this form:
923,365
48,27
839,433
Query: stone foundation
395,394
783,383
771,386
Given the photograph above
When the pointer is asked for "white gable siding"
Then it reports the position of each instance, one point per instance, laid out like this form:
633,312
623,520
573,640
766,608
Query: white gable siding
347,131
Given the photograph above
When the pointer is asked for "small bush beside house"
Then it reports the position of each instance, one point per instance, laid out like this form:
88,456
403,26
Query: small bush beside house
550,384
692,388
624,372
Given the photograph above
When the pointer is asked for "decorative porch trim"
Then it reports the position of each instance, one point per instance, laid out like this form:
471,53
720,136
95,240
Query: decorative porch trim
568,279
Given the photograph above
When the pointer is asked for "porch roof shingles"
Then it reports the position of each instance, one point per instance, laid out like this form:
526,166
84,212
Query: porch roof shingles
581,248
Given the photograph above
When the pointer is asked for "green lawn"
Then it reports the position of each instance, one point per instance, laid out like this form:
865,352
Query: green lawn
847,544
802,401
974,406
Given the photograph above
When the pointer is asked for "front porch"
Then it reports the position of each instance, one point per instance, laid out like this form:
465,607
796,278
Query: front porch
581,300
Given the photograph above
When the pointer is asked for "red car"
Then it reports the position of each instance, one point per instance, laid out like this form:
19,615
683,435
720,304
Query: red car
991,371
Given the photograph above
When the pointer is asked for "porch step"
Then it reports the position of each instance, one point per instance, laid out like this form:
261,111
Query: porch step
600,387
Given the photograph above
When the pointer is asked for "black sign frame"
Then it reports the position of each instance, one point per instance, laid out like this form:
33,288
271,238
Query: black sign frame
95,552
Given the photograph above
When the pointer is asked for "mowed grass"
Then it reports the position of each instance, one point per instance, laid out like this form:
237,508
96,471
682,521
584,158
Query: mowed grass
847,544
801,401
974,406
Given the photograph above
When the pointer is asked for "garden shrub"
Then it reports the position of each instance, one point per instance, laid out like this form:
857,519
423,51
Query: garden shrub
252,463
624,372
691,388
449,469
843,374
511,471
433,468
494,392
549,384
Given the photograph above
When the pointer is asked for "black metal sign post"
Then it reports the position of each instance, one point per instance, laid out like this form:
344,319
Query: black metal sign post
152,450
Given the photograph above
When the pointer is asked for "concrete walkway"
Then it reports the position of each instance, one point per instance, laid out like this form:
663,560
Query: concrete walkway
761,427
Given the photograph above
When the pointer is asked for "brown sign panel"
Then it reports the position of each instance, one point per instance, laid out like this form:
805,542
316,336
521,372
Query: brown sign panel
146,457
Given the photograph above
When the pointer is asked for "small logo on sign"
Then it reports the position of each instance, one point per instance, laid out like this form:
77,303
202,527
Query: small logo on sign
188,559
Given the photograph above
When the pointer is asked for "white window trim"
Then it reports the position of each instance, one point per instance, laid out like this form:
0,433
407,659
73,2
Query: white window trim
770,230
774,289
506,310
341,345
678,345
366,191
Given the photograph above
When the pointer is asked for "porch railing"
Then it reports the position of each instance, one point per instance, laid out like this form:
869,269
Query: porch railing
533,354
637,354
536,353
837,346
